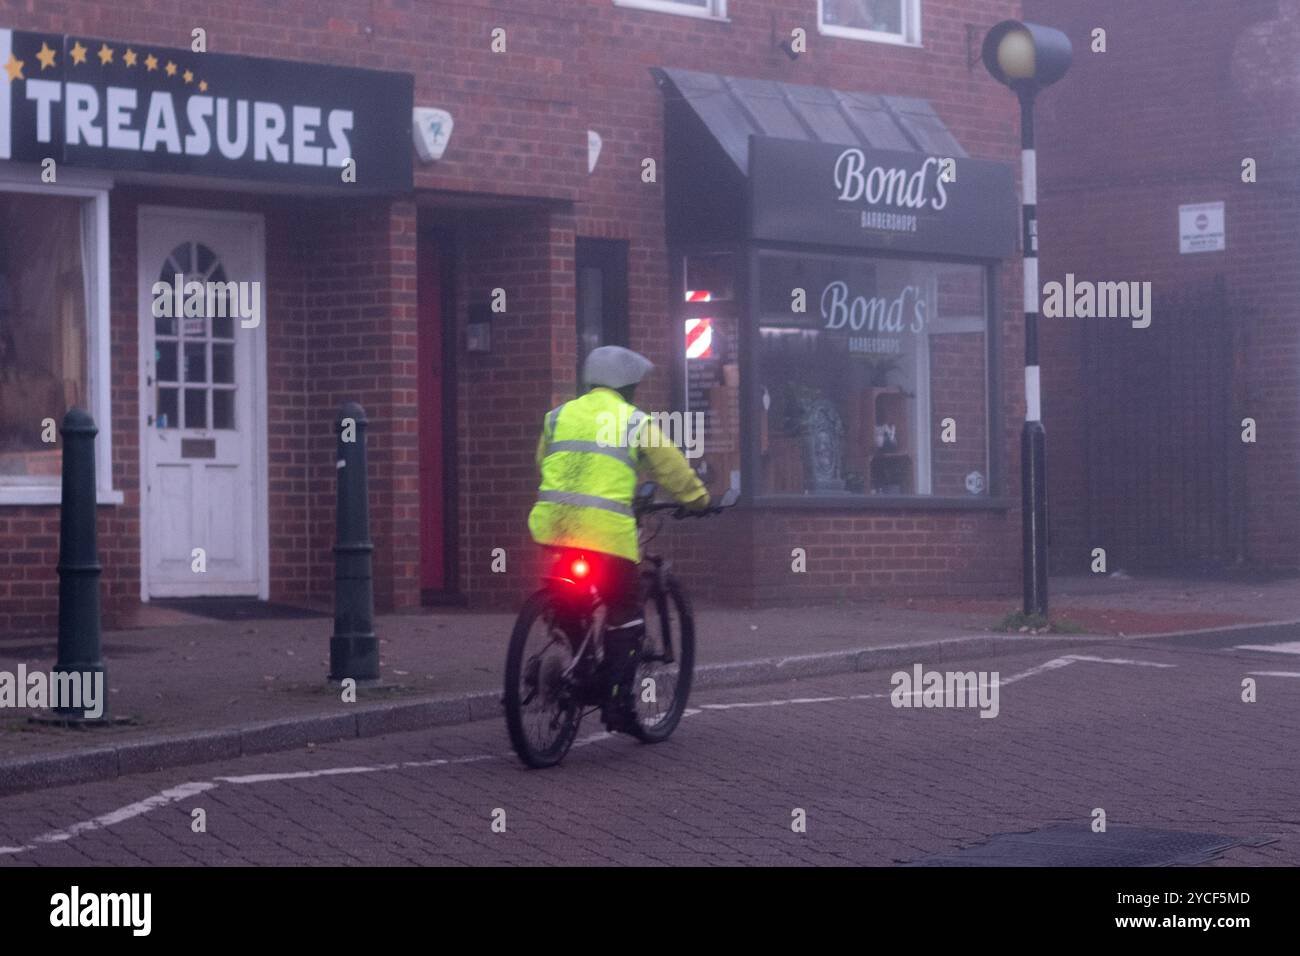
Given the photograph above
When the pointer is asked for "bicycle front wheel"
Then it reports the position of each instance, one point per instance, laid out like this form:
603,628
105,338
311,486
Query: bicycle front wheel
667,666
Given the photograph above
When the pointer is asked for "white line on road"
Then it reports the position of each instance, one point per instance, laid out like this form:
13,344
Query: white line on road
305,774
1054,664
1286,647
187,790
1274,673
183,792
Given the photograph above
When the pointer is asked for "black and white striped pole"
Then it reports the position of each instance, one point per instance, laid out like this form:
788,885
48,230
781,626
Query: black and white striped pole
1027,57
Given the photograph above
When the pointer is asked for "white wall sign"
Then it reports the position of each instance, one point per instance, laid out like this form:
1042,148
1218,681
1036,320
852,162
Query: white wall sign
1200,228
431,129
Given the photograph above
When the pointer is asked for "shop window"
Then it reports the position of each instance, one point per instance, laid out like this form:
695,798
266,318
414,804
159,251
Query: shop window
713,9
710,336
878,384
601,267
885,21
43,332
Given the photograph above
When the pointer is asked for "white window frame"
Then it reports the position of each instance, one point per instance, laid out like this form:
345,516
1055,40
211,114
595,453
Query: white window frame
911,35
716,9
26,178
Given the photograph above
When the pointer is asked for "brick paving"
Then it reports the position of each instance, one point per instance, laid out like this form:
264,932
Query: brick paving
1167,747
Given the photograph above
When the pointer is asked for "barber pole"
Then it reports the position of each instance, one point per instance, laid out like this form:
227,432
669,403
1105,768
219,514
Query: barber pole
699,338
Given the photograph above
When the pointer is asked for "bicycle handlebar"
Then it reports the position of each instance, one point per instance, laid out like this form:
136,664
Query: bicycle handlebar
681,511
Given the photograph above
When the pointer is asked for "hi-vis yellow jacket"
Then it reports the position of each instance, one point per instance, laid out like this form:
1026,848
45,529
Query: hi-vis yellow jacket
589,453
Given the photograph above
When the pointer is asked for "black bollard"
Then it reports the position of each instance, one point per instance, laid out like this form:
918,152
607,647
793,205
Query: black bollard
354,650
79,568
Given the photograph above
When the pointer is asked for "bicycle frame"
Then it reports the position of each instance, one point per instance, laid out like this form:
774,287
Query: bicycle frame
582,604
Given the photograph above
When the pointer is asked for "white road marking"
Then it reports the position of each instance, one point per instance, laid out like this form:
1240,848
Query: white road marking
1117,660
1054,664
1286,647
304,774
187,790
1274,673
183,792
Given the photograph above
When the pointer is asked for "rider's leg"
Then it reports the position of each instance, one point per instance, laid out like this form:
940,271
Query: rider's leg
624,632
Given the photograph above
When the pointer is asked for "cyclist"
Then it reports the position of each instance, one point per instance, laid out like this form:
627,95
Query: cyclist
589,453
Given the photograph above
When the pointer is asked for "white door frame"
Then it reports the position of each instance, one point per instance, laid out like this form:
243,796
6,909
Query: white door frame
144,333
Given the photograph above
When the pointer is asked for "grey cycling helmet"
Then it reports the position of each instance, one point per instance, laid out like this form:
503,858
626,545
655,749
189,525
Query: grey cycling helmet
614,367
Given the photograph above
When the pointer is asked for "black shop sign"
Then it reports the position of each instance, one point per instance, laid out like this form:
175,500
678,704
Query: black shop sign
812,192
115,104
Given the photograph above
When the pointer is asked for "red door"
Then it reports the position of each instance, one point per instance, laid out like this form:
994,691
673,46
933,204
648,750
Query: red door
433,563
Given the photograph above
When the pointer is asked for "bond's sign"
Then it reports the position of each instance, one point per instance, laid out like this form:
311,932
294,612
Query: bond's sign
113,104
882,199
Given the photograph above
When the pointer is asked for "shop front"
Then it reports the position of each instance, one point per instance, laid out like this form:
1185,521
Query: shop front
172,223
842,334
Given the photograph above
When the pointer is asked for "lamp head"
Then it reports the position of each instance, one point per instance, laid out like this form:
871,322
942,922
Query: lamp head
1026,56
1016,55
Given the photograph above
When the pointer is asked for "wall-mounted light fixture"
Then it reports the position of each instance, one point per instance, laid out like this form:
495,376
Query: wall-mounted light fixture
478,330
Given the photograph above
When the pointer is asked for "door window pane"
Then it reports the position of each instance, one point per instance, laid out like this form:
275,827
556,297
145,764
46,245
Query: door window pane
196,408
223,409
223,363
168,405
165,353
196,362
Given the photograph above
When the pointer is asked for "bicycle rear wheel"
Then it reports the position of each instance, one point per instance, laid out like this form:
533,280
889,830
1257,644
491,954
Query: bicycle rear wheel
542,709
667,666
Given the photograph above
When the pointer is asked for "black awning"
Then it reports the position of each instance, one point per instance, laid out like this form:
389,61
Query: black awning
836,168
734,108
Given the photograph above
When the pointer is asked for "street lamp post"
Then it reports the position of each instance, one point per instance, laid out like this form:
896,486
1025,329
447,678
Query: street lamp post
1028,57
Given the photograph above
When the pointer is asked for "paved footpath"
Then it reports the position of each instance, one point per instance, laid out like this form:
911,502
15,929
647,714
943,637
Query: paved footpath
1154,732
197,689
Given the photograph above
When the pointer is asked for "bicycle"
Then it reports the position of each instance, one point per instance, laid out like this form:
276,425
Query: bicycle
552,689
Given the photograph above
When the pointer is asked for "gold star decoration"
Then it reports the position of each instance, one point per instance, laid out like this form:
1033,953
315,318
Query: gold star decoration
170,68
129,57
203,86
15,69
78,53
151,63
189,77
46,56
105,54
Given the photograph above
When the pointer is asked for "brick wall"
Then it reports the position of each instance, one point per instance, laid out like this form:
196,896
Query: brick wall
503,395
341,275
1164,118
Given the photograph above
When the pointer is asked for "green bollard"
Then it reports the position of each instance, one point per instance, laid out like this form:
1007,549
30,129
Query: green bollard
354,649
79,568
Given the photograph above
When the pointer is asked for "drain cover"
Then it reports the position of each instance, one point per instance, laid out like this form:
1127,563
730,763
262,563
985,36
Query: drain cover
1074,844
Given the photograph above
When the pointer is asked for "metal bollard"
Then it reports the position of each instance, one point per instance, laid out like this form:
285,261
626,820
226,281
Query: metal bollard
79,567
354,649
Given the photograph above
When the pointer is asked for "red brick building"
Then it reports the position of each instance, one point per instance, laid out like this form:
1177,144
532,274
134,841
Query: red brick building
875,427
1145,425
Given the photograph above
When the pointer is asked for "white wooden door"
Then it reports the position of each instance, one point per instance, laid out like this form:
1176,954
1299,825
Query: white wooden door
202,406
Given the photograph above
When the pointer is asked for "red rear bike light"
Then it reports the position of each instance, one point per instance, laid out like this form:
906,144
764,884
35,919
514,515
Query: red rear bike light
580,568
